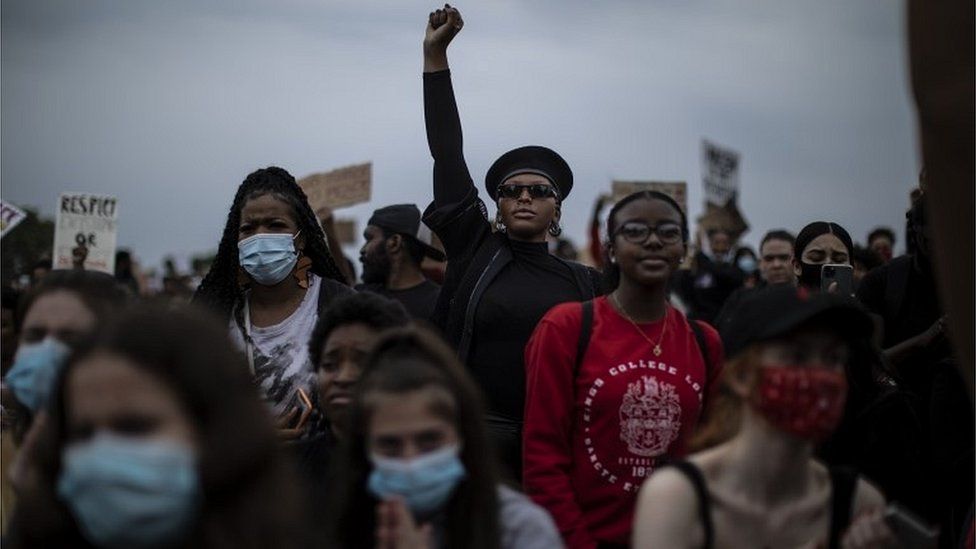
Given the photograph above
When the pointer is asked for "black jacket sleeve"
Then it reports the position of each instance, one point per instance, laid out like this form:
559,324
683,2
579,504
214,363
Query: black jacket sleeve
457,215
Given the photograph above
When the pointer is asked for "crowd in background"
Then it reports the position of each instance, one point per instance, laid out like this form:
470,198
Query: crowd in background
486,389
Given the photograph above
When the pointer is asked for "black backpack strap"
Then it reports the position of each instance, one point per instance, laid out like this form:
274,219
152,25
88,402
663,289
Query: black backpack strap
843,482
697,480
583,343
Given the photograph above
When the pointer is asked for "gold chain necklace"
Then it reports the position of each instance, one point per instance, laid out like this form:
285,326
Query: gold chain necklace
664,328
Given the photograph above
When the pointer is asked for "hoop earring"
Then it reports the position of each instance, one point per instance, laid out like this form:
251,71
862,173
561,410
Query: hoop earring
554,229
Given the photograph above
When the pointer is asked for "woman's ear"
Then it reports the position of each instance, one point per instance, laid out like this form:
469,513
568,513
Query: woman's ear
797,271
300,242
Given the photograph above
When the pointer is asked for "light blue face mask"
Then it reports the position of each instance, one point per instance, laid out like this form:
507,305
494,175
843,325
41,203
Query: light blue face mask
746,264
425,482
268,257
127,492
35,370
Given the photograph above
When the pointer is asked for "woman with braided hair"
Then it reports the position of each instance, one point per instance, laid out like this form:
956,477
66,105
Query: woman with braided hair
272,277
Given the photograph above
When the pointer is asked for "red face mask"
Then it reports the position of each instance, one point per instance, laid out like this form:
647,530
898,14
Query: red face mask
805,402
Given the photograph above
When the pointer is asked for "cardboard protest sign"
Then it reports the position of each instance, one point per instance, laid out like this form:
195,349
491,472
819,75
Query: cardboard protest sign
339,188
678,190
345,230
720,174
86,229
10,216
727,218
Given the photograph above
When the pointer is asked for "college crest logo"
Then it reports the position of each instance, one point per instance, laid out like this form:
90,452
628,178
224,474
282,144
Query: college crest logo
650,417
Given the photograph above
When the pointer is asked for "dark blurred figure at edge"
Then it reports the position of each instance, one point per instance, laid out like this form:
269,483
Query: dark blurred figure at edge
396,245
903,294
710,279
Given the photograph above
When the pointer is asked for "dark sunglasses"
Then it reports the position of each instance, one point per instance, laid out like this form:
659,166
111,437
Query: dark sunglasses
637,232
511,190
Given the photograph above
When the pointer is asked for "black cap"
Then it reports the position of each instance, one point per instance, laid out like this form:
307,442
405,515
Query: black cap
531,159
405,219
777,310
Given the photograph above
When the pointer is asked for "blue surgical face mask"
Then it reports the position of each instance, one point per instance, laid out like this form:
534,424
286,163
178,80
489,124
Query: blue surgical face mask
127,492
268,257
425,482
746,264
35,370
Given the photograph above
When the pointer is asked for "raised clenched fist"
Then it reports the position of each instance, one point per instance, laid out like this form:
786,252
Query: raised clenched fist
442,26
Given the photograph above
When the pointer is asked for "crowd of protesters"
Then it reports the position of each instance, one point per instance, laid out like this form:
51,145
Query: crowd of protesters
804,394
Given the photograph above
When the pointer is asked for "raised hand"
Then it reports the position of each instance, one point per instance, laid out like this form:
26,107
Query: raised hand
442,26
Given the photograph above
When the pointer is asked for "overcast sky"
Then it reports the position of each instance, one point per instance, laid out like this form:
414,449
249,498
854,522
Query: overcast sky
169,105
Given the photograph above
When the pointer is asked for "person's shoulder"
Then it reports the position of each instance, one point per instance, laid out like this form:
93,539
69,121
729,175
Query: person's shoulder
866,497
667,502
525,524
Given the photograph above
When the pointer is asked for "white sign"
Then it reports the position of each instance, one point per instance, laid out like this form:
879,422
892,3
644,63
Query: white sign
10,216
85,230
720,174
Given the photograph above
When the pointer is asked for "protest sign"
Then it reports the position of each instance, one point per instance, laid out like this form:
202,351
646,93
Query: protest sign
678,190
338,188
85,229
345,230
727,218
10,216
720,174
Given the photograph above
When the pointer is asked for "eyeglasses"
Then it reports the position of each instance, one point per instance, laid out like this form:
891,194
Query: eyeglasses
637,232
511,190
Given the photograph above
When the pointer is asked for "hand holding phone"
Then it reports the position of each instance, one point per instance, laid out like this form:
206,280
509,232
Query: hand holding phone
292,424
837,278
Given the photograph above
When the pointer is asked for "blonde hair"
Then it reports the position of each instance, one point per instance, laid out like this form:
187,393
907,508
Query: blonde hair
722,417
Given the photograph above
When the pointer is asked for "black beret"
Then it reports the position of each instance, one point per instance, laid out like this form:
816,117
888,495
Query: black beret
530,159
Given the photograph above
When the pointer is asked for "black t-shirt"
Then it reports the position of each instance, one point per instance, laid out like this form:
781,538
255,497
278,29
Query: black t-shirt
507,314
418,300
705,289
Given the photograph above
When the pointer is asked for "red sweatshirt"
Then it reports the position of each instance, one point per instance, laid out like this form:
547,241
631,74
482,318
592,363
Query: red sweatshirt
590,442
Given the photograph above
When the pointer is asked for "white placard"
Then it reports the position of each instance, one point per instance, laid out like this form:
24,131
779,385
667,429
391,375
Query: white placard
720,174
86,222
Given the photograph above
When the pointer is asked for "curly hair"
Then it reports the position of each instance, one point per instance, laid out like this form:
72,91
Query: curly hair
219,290
373,310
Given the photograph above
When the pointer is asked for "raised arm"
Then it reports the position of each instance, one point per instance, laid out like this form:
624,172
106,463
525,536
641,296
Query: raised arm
452,181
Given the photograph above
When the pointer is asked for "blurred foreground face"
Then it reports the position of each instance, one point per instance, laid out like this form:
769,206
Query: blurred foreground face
776,262
106,393
60,314
404,425
129,467
340,367
801,386
55,322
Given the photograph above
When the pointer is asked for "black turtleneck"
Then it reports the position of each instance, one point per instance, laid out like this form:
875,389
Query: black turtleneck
509,310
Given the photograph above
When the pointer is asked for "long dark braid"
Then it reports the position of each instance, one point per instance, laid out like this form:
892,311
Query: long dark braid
219,290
